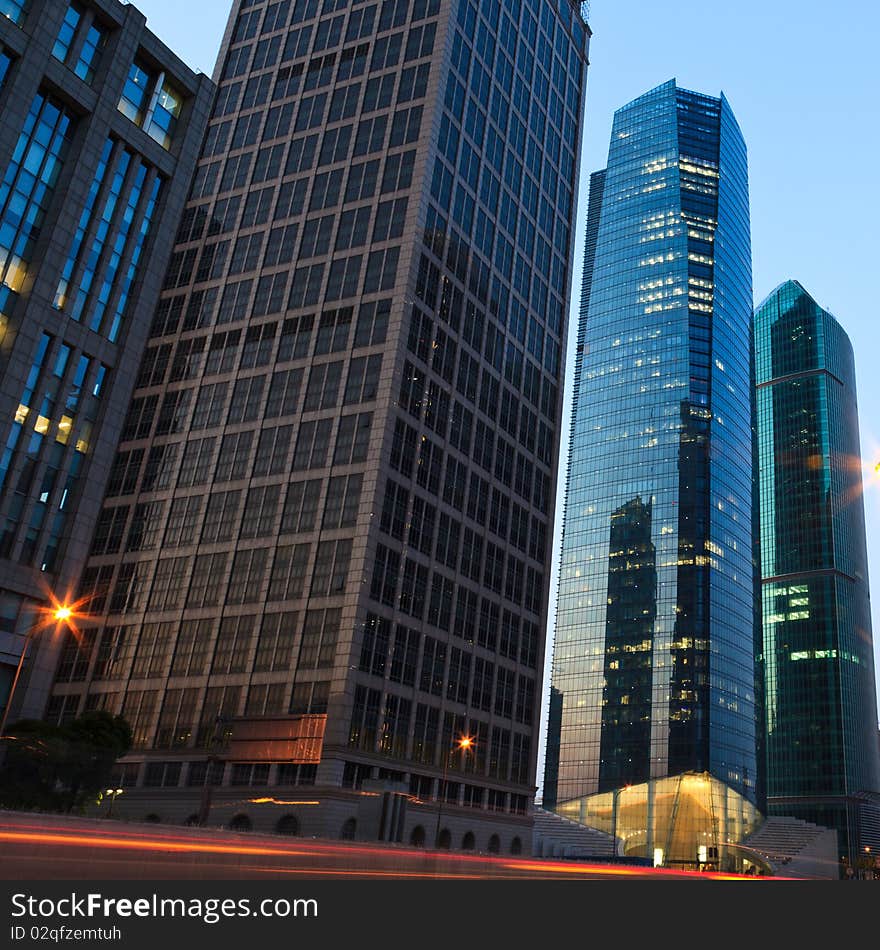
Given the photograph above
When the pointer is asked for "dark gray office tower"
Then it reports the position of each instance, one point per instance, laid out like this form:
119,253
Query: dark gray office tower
101,127
324,552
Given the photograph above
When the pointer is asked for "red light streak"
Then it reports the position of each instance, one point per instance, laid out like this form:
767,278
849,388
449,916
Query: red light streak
387,862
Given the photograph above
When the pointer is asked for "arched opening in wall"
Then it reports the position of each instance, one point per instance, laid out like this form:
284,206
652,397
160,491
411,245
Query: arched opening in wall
516,846
287,825
192,820
348,830
417,838
240,822
494,844
468,842
444,839
152,818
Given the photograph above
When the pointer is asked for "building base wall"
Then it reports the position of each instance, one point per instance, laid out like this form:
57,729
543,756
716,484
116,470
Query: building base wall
322,813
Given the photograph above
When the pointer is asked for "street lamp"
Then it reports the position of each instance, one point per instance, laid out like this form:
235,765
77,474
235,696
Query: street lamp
464,743
213,758
111,793
58,614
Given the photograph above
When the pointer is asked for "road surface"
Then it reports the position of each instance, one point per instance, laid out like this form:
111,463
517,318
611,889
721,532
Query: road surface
49,847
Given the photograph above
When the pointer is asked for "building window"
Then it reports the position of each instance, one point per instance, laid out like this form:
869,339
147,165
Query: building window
67,32
29,182
162,774
91,49
135,94
5,63
151,102
14,10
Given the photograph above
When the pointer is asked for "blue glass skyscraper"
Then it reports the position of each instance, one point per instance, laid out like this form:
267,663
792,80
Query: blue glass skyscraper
653,666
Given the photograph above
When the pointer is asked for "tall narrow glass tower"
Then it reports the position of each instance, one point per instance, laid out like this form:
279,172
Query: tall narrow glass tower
821,716
653,663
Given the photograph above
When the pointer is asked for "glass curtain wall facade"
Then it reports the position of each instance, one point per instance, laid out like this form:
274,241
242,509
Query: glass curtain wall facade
817,655
653,666
332,503
686,820
82,195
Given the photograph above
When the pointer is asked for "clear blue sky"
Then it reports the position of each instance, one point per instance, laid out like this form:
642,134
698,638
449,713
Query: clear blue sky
801,78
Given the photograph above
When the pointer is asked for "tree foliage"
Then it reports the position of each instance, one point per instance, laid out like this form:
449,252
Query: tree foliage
61,768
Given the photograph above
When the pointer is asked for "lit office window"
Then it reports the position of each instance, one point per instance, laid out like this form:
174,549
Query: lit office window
13,10
28,184
165,115
156,114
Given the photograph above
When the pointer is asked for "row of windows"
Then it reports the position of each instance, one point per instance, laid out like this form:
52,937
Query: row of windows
394,726
425,787
250,128
229,402
402,583
391,14
441,296
200,459
195,356
425,529
28,184
249,774
291,82
321,70
340,144
260,207
151,101
319,234
437,350
342,277
493,454
287,88
83,35
203,580
93,274
266,512
281,642
436,667
50,462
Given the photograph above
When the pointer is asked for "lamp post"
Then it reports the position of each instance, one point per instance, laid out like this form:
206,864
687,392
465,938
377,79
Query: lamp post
464,743
111,793
207,789
59,614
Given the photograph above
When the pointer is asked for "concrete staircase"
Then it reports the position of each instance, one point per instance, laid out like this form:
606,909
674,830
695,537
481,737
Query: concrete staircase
796,848
556,837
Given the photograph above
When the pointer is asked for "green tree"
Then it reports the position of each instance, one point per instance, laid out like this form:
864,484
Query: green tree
60,768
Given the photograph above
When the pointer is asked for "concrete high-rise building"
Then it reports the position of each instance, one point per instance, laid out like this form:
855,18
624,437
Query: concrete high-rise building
101,127
324,551
823,763
652,729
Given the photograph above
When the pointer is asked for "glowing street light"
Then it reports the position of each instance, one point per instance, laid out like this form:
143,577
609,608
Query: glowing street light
463,744
111,793
59,613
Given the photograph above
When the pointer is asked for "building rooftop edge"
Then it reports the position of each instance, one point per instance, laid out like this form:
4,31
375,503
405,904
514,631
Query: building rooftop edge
796,283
